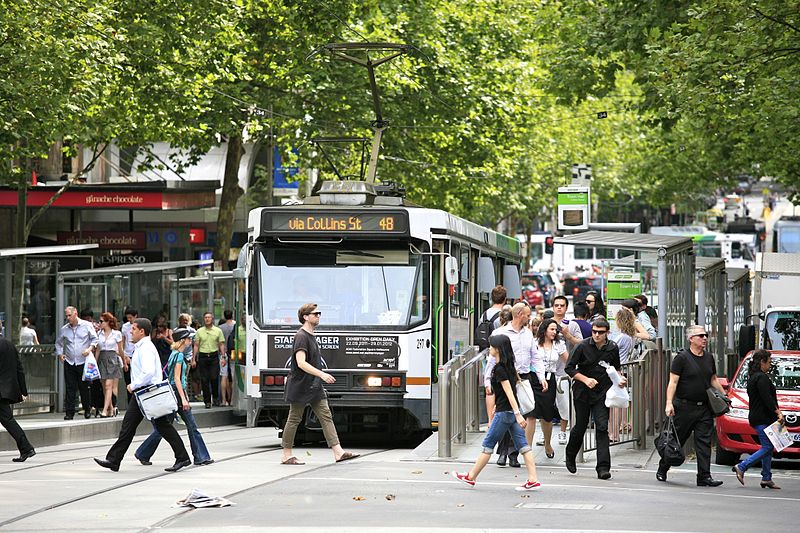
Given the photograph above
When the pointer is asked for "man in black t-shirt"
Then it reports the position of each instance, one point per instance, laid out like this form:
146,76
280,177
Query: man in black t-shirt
304,387
691,373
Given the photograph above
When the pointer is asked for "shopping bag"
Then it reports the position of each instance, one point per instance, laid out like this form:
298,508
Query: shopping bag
90,370
156,400
778,436
525,396
616,396
668,445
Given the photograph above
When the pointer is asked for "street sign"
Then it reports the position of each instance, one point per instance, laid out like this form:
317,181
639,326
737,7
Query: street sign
573,207
621,286
280,185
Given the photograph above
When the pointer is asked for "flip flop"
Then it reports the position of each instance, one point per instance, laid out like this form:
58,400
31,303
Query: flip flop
292,461
347,456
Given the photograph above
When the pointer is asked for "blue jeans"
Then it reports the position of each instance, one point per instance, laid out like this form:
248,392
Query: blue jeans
199,451
764,454
502,422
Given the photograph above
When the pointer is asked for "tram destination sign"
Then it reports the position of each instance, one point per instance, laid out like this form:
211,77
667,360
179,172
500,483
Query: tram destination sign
349,222
341,351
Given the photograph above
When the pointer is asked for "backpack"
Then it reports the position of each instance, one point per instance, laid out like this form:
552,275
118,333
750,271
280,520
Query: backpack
484,330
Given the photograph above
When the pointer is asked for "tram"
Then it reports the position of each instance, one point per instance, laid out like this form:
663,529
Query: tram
400,288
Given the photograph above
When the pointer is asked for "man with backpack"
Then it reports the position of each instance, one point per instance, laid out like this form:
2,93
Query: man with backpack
490,319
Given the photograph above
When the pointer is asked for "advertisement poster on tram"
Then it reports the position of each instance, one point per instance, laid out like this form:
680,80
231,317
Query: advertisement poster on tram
341,351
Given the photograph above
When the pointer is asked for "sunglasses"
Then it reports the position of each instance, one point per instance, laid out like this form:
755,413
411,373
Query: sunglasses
316,313
589,301
599,332
702,335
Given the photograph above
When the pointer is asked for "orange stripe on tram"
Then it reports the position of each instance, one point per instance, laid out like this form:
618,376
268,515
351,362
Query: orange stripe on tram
418,381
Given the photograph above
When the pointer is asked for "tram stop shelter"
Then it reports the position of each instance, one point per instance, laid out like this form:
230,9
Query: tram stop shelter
712,284
670,265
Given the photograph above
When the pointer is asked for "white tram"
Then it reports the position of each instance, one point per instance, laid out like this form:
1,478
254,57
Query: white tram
379,272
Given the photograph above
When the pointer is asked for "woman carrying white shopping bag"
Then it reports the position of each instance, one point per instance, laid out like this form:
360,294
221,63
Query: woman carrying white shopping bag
145,371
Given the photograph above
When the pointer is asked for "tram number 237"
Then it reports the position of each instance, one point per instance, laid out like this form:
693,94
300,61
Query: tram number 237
420,344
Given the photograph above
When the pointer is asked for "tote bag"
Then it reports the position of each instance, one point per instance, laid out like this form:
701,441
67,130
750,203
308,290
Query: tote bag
157,400
525,396
668,445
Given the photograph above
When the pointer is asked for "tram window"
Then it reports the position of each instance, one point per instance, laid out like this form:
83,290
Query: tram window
736,250
583,252
604,253
366,286
709,249
464,282
537,251
455,299
625,253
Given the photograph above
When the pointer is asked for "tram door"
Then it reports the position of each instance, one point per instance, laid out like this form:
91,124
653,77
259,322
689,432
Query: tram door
82,296
438,314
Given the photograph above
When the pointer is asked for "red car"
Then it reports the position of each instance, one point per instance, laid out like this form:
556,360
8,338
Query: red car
734,434
532,295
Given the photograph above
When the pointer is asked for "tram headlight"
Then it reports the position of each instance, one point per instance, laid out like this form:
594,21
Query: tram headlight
373,382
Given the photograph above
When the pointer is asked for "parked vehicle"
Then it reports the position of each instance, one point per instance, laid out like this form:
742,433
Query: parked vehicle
547,282
532,294
577,286
735,436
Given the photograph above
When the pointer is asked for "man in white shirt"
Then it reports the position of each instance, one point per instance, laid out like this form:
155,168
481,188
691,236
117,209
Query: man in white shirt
130,315
145,371
76,339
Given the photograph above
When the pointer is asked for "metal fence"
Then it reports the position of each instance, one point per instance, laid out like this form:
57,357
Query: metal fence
460,384
41,369
647,386
712,281
738,303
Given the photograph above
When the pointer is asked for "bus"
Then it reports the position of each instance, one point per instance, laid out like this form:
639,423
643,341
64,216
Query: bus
401,289
786,235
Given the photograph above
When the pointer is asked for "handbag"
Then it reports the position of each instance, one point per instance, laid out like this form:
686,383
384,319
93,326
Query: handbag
717,402
525,396
668,445
156,400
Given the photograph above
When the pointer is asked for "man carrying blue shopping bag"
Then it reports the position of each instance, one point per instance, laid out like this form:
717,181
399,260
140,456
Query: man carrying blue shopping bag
145,371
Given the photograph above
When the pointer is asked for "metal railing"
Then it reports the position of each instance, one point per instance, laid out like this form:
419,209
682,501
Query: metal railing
41,371
647,386
459,396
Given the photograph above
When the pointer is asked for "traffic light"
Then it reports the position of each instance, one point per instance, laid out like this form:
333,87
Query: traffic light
548,245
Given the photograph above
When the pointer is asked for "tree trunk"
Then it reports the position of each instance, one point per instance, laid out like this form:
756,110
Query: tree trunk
227,204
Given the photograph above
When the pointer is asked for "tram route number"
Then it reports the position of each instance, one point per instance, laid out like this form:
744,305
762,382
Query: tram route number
340,222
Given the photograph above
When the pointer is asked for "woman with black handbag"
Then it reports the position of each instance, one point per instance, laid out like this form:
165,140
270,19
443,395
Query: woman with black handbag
764,411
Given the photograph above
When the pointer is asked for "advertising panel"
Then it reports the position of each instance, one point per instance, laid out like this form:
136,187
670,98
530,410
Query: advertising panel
341,351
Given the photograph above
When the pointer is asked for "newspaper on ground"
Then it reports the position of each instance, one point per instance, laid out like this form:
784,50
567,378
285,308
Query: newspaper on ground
197,499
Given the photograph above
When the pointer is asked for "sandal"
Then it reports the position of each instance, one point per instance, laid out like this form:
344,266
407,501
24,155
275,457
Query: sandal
292,461
550,454
347,456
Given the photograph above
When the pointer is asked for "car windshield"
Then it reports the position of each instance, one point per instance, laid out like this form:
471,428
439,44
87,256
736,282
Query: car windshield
784,373
367,286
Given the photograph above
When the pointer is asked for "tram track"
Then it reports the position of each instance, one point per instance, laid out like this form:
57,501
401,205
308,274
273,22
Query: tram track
72,459
124,485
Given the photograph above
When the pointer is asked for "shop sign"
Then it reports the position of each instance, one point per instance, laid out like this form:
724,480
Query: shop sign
128,259
197,236
106,240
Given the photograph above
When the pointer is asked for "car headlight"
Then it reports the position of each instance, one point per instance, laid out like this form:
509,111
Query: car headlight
738,412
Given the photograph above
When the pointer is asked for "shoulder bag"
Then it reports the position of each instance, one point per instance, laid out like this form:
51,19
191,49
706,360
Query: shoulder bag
525,396
156,400
717,401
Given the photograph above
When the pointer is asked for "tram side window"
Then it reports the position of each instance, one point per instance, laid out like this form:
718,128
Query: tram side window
455,298
463,285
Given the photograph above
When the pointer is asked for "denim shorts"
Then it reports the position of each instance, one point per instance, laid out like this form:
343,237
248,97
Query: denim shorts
502,422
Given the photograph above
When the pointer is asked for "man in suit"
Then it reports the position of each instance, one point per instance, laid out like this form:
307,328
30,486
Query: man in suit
13,390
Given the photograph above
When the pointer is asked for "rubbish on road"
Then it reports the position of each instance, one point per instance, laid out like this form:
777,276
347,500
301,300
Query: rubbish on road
416,471
390,497
197,499
359,498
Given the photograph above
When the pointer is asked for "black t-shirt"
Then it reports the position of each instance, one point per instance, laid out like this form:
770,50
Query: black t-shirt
692,385
500,374
301,386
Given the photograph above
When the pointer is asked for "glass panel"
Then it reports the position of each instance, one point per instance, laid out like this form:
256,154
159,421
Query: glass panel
455,299
789,240
783,330
784,372
537,251
463,286
604,253
582,252
372,294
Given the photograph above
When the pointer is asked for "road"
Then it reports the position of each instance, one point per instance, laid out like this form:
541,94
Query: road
61,489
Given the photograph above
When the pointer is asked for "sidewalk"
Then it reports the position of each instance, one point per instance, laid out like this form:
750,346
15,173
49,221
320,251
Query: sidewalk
624,455
50,429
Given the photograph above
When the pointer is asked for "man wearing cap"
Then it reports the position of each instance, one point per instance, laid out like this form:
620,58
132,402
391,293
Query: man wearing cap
177,372
145,371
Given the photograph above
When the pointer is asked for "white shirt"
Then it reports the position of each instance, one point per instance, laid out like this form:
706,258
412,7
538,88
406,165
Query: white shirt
145,365
71,342
110,342
126,333
525,358
551,358
26,336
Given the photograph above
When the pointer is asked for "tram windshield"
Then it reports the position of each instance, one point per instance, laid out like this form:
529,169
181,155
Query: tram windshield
783,330
354,286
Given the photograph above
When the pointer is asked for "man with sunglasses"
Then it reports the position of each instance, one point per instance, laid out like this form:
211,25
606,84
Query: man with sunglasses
689,376
590,384
304,386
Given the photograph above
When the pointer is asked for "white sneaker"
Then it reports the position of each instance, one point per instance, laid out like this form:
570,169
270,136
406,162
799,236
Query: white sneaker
562,438
540,440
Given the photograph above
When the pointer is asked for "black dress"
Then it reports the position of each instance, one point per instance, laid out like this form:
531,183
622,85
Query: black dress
546,408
